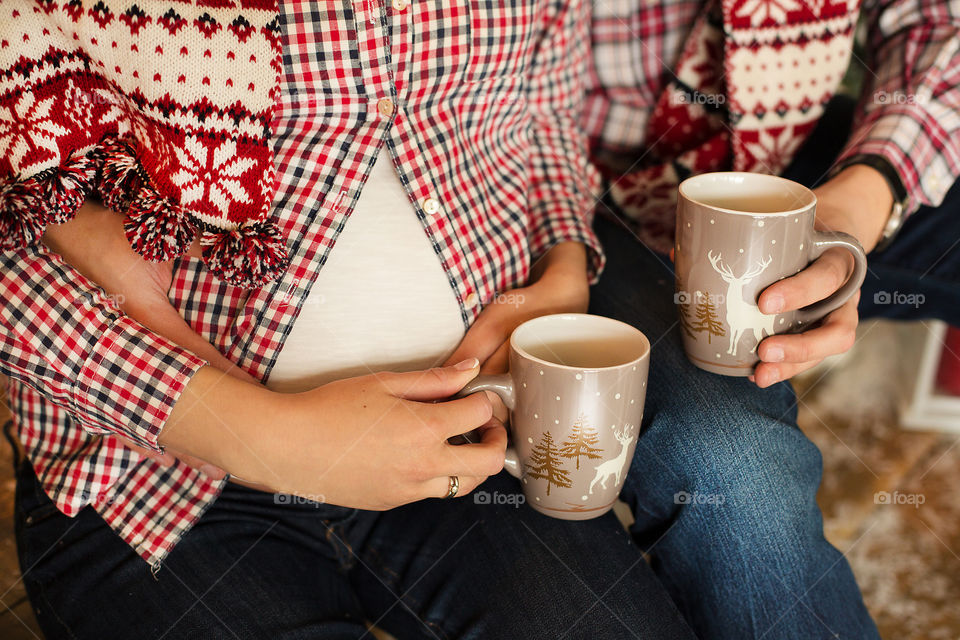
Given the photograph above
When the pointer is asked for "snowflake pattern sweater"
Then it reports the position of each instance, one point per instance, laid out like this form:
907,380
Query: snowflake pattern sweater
161,108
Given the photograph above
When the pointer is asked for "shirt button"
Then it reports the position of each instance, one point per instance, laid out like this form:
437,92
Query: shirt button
471,300
385,107
431,206
399,5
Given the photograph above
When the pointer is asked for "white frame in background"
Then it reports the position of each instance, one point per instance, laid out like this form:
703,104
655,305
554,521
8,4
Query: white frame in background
929,410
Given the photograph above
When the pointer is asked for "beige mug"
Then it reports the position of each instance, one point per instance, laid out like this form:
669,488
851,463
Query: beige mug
738,233
575,391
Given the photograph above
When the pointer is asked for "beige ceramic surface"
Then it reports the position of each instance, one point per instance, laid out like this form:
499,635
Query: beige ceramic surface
576,390
738,233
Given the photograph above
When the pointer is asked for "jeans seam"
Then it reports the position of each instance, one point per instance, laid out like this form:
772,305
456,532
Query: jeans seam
374,557
42,594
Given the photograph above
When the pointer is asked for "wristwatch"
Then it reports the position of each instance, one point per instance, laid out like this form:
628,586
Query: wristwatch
900,198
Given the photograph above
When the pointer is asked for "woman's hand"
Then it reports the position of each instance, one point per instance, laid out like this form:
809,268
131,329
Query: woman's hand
856,201
371,442
559,284
93,242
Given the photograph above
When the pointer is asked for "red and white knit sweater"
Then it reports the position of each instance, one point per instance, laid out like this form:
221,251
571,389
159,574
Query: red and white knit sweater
162,108
749,87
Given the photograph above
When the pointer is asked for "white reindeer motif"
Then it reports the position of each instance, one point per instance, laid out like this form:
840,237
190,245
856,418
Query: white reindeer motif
615,466
741,315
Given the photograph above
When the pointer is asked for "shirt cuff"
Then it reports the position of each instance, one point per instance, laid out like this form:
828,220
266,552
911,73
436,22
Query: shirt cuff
906,136
547,238
131,381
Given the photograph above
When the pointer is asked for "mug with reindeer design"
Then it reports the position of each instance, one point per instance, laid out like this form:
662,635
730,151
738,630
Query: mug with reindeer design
738,233
575,391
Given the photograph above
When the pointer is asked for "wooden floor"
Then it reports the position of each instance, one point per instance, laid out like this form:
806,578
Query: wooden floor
906,557
16,616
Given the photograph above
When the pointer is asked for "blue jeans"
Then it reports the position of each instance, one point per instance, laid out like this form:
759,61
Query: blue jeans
258,567
723,482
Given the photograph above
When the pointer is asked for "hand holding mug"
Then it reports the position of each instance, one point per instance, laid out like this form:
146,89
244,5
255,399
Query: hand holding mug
858,201
575,390
738,233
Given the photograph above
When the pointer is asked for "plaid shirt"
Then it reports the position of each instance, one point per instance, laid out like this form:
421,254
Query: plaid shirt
909,113
478,104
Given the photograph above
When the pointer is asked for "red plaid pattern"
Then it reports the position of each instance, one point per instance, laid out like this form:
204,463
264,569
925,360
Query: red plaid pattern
910,111
485,100
635,45
909,114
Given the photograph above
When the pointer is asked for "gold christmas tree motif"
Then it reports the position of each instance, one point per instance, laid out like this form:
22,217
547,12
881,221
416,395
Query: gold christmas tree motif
683,301
545,464
581,442
707,318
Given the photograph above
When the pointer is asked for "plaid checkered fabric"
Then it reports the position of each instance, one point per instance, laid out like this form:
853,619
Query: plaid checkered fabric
477,103
635,46
909,112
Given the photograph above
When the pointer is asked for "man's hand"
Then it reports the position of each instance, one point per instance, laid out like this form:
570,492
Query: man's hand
856,201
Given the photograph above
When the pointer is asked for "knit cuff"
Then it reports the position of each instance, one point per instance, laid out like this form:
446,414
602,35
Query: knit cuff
158,228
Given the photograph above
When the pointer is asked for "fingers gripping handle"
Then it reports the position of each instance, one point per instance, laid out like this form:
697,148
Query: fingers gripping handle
822,241
502,385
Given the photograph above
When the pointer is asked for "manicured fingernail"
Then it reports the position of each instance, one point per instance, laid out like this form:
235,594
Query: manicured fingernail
467,365
774,354
773,304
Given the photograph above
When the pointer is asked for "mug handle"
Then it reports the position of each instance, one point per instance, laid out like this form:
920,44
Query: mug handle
502,385
823,240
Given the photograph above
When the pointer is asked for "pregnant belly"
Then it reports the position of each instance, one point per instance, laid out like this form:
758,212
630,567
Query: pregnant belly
343,336
381,302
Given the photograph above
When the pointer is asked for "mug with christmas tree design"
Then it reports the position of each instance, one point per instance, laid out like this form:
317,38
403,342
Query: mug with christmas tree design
575,391
738,233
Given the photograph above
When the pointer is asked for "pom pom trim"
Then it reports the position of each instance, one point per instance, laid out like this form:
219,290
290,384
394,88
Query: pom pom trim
157,227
